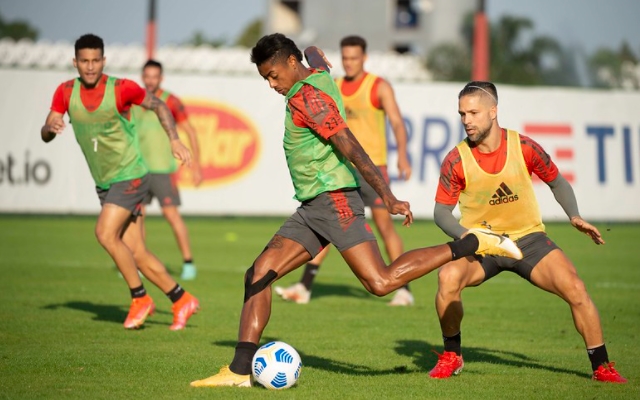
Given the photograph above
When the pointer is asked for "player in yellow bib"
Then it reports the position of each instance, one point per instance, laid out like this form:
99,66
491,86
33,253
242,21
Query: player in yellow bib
368,100
489,176
99,111
156,152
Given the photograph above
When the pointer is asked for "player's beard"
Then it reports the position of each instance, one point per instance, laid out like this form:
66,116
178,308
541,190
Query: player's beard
480,135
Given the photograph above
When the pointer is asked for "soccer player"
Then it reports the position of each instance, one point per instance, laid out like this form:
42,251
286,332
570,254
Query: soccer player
98,106
321,152
156,153
489,175
367,99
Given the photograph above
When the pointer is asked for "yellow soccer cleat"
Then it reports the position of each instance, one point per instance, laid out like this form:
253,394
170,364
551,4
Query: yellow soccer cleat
493,244
224,377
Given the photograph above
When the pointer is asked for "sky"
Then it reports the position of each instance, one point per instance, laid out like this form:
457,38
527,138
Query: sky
588,24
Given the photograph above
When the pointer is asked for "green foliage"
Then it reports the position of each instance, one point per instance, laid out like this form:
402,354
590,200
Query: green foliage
63,306
449,62
513,59
251,34
17,30
614,69
200,39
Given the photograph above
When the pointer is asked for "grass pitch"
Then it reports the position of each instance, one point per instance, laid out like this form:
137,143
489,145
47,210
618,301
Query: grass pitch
63,305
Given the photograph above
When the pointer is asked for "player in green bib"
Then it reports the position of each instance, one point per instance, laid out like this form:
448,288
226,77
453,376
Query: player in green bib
156,152
321,152
98,106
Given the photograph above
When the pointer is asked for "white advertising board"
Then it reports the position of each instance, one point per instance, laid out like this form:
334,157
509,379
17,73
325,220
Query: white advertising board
593,136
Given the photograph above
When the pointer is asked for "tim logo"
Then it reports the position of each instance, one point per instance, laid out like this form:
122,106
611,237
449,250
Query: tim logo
503,195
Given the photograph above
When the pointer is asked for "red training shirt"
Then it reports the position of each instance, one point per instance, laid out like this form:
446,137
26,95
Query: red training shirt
452,180
348,88
314,109
175,105
127,93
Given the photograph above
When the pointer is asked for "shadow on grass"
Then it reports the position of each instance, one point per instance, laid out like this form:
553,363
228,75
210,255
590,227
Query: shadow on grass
327,289
102,312
327,364
425,359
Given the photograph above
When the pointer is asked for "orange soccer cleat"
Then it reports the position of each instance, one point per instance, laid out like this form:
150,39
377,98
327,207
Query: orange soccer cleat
449,363
183,309
606,373
140,309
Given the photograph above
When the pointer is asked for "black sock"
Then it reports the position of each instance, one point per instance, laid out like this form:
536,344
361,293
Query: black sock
138,292
241,363
452,343
598,356
188,261
176,293
464,247
310,272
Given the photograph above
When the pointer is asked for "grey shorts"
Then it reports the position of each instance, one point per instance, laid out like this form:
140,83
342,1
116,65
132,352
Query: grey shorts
332,217
164,188
126,194
534,247
369,195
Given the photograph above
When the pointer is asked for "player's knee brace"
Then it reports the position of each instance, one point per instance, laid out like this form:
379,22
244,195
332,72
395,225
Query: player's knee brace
251,289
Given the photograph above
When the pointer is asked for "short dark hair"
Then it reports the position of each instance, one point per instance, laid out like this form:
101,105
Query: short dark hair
89,41
152,63
274,47
480,86
354,40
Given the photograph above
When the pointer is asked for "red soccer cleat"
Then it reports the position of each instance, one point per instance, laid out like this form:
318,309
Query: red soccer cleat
140,309
183,309
606,373
449,363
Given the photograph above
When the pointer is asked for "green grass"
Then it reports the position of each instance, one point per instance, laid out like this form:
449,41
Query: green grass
63,305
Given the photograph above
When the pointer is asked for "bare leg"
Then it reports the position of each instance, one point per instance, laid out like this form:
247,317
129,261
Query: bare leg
282,256
111,223
148,263
392,241
180,231
452,278
367,264
556,274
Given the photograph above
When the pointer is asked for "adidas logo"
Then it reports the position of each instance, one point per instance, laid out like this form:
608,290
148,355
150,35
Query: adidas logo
503,195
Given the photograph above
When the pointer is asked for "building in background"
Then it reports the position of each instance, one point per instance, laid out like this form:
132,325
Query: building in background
388,25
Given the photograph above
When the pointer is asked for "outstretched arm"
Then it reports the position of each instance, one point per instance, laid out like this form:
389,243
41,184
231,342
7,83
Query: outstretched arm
563,192
151,102
195,149
443,217
53,126
391,109
348,145
316,59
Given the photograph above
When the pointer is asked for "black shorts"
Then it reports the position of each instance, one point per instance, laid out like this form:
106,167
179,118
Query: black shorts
164,188
369,195
332,217
534,247
126,194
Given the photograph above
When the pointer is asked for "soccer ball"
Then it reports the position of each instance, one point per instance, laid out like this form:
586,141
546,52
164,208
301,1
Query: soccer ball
276,365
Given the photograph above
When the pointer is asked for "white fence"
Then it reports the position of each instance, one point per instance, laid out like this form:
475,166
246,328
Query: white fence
594,137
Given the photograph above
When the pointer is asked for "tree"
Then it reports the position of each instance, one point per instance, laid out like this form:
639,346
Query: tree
449,62
614,69
540,60
251,34
17,30
200,39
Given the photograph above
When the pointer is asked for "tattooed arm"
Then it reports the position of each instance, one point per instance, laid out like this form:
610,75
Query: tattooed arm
151,102
348,145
